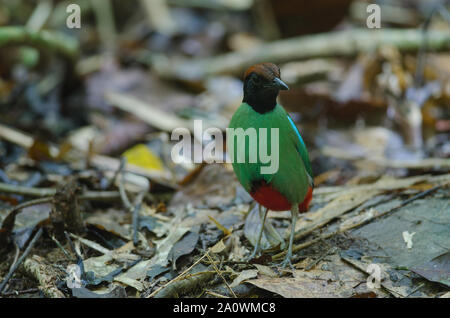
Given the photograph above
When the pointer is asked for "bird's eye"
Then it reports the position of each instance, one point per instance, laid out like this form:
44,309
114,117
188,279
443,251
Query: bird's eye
256,80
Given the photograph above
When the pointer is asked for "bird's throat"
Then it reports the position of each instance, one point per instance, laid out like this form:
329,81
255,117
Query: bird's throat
261,102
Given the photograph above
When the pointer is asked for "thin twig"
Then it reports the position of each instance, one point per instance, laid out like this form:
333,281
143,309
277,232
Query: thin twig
415,289
123,194
116,173
74,250
72,246
221,276
24,255
28,191
190,283
137,208
179,276
301,246
47,192
216,294
61,248
20,292
321,257
99,195
16,256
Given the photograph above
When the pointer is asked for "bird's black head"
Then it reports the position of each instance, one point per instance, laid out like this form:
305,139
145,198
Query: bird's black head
261,86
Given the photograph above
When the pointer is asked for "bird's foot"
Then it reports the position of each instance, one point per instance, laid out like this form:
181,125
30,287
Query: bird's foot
255,253
286,262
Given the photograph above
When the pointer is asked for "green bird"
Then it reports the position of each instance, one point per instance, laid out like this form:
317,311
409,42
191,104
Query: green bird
260,126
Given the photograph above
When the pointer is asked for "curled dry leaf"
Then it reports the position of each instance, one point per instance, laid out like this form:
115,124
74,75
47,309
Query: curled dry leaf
243,276
270,237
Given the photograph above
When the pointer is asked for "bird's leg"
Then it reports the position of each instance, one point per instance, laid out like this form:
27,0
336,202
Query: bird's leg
256,249
294,213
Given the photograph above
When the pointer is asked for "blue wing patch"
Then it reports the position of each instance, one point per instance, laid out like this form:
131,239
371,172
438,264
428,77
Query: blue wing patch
302,151
296,131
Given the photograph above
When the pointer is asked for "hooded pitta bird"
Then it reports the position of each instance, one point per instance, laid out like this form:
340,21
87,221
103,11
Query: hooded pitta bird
290,185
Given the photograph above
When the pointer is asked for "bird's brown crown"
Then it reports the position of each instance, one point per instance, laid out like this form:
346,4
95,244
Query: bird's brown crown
266,70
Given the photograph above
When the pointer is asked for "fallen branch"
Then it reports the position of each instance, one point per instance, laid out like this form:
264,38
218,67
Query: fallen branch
188,283
58,43
213,5
45,275
345,43
45,192
150,114
20,292
27,191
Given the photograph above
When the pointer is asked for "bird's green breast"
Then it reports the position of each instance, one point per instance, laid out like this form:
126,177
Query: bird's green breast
291,178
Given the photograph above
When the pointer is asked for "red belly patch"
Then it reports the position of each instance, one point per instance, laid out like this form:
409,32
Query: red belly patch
270,198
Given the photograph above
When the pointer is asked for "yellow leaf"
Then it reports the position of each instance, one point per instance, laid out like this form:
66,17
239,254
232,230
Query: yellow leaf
140,155
220,226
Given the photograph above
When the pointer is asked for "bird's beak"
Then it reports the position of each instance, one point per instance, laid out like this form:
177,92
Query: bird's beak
280,84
